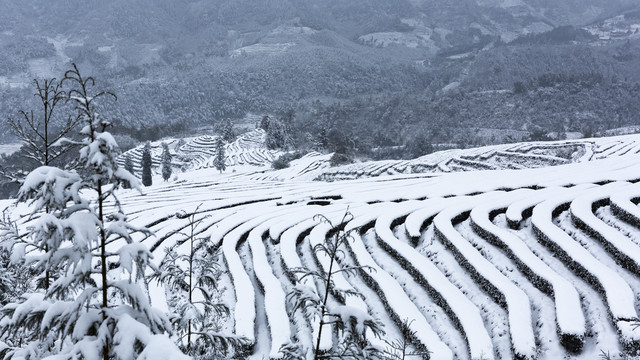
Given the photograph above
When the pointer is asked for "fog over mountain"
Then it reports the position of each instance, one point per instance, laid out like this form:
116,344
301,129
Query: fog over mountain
443,67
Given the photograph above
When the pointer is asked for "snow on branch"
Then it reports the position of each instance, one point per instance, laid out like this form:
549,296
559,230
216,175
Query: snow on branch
50,187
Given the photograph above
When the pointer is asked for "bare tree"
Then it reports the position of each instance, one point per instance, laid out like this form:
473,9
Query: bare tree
39,134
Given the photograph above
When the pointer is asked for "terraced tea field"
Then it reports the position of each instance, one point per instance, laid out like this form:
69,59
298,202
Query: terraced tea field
524,155
533,264
481,262
199,152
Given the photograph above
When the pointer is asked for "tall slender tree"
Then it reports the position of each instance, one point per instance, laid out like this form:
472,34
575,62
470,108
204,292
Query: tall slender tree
220,158
227,132
39,133
147,180
192,275
166,162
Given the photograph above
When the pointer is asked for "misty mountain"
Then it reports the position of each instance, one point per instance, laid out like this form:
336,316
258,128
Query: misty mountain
336,63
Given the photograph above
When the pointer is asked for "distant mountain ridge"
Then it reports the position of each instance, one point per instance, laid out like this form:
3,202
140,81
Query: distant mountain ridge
164,31
195,62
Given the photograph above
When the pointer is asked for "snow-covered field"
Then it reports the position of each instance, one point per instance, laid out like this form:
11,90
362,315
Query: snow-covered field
486,258
524,155
534,263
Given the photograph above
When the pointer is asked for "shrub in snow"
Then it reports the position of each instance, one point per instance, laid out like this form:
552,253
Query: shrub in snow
340,159
190,273
280,163
285,159
96,308
351,323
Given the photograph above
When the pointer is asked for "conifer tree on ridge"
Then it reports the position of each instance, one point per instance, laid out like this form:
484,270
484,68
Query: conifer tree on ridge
166,162
220,158
147,179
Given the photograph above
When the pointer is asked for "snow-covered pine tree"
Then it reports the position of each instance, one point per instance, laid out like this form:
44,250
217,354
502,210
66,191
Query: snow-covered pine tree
166,162
97,308
146,165
220,158
401,348
14,278
39,135
351,323
191,274
227,132
7,280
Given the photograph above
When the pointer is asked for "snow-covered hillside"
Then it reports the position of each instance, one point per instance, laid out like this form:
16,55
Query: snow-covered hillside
486,259
508,156
534,263
248,155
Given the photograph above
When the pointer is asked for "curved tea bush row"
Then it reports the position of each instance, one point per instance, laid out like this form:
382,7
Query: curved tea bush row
570,321
460,309
624,205
399,306
503,291
626,253
274,296
615,291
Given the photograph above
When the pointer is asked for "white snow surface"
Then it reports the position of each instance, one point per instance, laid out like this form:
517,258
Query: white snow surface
254,201
569,314
618,294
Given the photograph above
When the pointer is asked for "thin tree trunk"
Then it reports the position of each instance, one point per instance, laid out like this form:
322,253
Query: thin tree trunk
103,257
324,305
190,281
47,274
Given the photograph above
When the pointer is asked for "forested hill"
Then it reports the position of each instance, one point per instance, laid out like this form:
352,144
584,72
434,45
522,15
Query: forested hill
379,71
